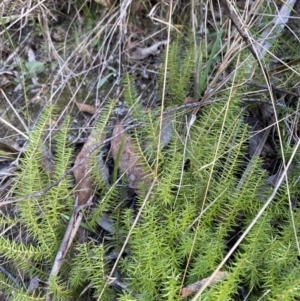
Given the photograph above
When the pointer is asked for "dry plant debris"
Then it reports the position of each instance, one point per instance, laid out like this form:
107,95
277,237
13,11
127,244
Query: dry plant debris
84,183
141,53
196,286
84,189
129,162
85,108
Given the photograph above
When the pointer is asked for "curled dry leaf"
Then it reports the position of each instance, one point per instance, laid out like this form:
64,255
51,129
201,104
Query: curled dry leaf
122,149
84,182
86,108
141,53
195,287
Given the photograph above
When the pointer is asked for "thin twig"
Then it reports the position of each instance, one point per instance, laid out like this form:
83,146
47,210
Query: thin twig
10,276
250,83
69,236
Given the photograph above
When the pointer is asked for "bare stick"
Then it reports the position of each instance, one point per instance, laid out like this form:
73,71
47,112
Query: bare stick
69,236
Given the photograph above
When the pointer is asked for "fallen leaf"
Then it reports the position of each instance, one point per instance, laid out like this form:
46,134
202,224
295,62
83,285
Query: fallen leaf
5,80
196,286
166,129
129,162
167,123
33,285
189,100
84,183
86,108
141,53
106,222
8,152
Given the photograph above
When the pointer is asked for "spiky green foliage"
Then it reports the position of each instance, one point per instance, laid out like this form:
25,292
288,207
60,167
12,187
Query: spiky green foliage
203,177
205,196
39,221
179,75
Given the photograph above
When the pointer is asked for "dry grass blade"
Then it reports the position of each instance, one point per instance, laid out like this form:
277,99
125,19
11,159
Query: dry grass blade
129,162
68,238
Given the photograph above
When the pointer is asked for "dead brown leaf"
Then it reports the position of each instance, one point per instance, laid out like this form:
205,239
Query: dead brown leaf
195,287
141,53
86,108
129,162
189,100
84,182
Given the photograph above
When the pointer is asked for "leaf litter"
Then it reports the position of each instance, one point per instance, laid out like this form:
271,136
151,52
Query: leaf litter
85,186
125,155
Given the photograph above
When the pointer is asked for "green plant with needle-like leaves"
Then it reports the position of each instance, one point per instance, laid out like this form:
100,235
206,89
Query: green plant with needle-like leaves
205,195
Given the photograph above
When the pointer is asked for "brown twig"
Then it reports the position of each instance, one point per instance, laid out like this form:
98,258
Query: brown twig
250,83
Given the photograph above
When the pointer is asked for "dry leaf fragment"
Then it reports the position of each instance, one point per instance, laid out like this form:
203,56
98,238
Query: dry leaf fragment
8,152
6,77
47,160
195,287
106,222
167,123
84,183
86,108
129,162
166,129
189,100
142,53
33,285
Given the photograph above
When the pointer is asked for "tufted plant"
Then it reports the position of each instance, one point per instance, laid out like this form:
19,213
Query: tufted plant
206,191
